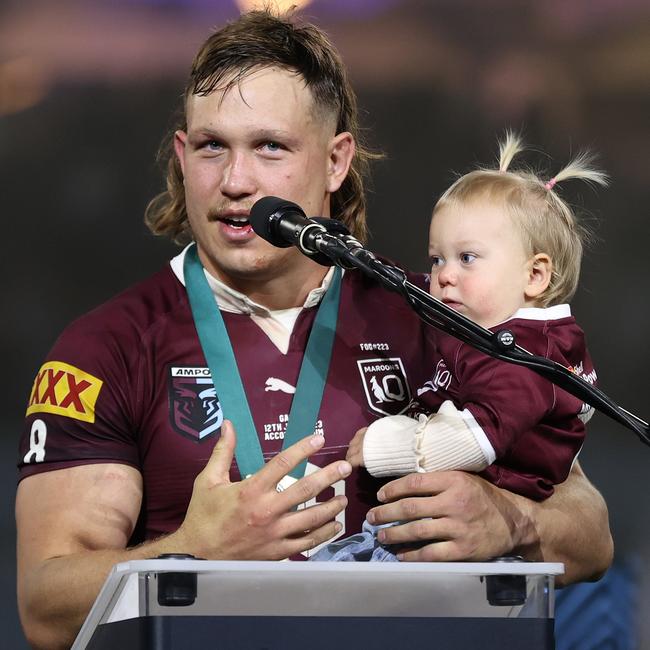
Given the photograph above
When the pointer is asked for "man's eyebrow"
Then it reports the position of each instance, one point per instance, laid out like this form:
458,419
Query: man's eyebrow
275,135
271,134
257,134
202,132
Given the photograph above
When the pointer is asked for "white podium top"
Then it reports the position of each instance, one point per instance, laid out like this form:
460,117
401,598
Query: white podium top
328,589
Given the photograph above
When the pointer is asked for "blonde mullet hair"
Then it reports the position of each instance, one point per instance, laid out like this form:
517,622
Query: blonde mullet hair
264,39
546,222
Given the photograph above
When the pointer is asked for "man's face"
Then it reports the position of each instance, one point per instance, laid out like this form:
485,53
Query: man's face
262,137
478,263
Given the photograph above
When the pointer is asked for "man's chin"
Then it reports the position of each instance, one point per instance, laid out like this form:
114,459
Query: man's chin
250,267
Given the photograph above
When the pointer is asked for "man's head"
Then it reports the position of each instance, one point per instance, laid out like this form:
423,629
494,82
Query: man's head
257,42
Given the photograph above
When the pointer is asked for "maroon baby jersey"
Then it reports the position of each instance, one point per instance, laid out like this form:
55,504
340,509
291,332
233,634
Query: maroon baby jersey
128,383
534,428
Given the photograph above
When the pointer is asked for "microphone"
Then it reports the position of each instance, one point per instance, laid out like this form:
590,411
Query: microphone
283,224
326,241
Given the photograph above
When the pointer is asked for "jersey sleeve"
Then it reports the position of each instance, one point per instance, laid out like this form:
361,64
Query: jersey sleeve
82,405
506,400
532,425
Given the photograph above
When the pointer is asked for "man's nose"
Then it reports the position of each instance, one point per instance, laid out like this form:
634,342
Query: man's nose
237,179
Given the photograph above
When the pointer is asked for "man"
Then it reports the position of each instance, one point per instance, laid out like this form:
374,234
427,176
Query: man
118,458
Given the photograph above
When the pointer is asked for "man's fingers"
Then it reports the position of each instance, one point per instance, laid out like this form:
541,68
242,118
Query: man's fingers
310,539
217,469
311,486
404,510
446,551
419,483
420,530
281,464
297,523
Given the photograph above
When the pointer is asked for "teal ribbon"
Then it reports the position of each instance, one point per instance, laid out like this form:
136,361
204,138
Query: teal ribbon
226,378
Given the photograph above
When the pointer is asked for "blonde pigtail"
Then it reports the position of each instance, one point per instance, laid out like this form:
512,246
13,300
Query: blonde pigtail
508,149
580,167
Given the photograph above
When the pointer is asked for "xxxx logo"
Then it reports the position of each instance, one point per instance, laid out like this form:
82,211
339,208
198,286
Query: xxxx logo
62,389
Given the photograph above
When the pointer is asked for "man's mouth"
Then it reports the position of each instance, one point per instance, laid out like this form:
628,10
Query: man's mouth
235,222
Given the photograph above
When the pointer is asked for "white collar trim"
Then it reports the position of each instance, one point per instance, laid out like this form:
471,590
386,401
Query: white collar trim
236,302
556,312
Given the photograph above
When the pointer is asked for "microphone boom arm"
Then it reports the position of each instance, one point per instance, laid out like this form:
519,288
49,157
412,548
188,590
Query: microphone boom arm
495,344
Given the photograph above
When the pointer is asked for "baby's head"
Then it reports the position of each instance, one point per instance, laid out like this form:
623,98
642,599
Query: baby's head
501,239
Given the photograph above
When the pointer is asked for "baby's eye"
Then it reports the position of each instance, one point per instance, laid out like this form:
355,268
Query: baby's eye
436,260
467,258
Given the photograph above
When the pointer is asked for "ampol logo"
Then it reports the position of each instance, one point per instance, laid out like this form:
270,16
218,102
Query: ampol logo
194,408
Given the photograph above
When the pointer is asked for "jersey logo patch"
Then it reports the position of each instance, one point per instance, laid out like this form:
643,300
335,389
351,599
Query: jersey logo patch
385,384
62,389
441,380
275,384
194,408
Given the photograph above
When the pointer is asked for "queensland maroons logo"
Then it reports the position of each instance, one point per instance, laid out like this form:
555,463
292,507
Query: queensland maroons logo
385,384
194,408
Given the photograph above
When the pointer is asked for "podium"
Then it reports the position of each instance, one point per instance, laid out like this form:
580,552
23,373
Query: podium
186,604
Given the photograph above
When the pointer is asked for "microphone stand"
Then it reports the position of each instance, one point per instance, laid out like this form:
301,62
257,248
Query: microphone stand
500,344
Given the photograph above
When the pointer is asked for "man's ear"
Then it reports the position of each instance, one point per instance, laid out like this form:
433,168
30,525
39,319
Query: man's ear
180,140
341,152
539,268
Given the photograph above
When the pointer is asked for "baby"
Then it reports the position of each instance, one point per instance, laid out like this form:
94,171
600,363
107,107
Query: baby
505,252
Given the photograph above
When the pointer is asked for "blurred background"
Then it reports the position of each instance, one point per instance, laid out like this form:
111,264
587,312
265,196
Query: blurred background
87,91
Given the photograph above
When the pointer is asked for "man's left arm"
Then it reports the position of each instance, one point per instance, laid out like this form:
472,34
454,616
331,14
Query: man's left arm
461,516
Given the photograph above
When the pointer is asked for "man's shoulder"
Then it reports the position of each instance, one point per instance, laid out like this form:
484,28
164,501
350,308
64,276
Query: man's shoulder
136,309
362,283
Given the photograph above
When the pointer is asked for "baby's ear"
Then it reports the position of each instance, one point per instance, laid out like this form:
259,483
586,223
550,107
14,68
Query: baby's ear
540,267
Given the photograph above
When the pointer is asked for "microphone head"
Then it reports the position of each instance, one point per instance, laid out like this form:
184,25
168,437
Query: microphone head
266,213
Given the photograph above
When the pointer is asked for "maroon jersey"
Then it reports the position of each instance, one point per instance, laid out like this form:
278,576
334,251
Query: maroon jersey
129,383
534,428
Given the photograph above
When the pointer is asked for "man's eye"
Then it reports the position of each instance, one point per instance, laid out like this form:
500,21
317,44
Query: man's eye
212,145
467,258
272,146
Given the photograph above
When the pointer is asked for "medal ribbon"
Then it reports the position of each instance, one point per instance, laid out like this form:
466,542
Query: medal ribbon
226,378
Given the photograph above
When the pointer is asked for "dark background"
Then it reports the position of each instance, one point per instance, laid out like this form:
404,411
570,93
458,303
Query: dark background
87,91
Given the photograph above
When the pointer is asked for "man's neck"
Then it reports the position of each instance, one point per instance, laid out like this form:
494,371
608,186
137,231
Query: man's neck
275,292
279,293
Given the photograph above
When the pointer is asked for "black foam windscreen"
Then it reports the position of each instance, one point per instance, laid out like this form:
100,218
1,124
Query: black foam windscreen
265,214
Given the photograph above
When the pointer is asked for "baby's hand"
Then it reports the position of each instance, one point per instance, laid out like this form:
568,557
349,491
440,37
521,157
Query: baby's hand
355,450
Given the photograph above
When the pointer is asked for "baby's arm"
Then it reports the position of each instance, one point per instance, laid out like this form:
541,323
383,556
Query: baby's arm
398,445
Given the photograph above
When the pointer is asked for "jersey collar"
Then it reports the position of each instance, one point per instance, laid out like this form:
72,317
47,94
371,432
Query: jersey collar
556,312
239,303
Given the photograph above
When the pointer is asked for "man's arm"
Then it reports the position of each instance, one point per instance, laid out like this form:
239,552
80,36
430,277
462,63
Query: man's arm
470,519
74,525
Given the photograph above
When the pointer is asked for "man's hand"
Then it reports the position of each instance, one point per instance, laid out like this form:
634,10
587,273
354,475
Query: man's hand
355,449
250,519
450,516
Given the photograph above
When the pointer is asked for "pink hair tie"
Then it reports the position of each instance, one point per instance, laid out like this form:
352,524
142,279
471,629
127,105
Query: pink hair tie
550,184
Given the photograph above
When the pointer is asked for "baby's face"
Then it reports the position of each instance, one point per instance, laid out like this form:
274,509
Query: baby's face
478,263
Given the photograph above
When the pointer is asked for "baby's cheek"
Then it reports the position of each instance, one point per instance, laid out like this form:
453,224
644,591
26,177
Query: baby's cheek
481,299
434,287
